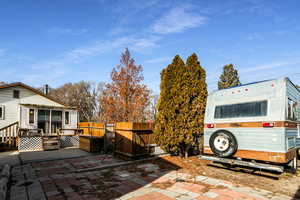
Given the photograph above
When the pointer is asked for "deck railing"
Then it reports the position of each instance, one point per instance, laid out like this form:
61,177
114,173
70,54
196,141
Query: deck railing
8,135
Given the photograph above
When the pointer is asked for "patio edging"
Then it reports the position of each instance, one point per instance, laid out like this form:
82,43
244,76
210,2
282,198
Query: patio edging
4,179
118,164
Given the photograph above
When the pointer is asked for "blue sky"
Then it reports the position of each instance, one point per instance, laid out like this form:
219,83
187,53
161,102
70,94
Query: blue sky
62,41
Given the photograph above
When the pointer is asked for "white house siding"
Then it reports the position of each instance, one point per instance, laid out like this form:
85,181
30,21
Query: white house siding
12,109
24,123
73,121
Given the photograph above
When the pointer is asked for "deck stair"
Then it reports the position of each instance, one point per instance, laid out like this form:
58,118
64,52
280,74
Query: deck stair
51,142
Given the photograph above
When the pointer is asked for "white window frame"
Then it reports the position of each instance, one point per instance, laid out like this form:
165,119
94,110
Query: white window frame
18,91
3,112
33,116
69,117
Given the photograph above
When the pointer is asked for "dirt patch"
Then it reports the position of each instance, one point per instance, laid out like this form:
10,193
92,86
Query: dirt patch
284,183
163,185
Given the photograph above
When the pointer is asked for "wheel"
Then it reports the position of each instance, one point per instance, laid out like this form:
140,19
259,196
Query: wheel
293,165
223,143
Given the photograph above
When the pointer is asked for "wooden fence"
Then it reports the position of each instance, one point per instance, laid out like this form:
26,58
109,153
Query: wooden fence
126,137
92,128
134,139
96,130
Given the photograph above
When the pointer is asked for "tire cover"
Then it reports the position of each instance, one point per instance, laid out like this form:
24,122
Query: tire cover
223,143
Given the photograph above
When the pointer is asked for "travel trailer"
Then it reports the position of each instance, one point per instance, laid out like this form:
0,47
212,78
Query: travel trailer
258,121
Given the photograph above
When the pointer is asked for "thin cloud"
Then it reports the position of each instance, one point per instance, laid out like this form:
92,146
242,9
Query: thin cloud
38,78
2,52
159,60
178,20
270,66
254,36
68,31
62,64
254,73
77,55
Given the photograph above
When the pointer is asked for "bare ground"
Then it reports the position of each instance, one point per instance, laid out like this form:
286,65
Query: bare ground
285,183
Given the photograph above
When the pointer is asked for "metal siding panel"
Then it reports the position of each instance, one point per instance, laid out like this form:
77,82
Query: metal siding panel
257,139
294,94
293,133
273,91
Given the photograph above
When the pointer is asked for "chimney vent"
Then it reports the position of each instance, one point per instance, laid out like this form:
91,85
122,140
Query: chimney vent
46,89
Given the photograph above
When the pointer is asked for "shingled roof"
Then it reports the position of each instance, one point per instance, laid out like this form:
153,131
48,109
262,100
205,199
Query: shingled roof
20,84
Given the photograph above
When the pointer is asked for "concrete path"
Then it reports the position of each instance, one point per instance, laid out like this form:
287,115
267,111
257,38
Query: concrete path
14,158
34,156
10,157
56,180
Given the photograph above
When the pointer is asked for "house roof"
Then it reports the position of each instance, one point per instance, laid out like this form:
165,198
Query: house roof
46,106
20,84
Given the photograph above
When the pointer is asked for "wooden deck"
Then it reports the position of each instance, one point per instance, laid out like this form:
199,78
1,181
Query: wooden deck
12,137
8,136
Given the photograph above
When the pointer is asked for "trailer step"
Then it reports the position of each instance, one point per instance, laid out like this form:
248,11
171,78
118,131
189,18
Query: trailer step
243,163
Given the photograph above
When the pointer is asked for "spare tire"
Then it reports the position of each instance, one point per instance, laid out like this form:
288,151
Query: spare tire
223,143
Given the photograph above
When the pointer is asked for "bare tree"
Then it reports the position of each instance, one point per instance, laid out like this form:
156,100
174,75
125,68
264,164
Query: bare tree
82,95
152,108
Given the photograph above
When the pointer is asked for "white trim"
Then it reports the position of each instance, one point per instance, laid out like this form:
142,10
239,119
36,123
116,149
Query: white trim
31,123
69,117
3,112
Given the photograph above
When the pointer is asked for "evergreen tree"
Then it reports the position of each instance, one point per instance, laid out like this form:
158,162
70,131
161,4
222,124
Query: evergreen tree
181,105
229,77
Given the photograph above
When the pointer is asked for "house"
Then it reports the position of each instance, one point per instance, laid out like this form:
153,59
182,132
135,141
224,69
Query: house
24,109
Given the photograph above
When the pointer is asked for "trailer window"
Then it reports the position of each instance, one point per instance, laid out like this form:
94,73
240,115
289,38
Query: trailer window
292,110
251,109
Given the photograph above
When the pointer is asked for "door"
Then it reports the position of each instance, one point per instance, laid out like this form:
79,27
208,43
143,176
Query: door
56,120
44,120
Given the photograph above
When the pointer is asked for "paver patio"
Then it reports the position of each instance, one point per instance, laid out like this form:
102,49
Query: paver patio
58,180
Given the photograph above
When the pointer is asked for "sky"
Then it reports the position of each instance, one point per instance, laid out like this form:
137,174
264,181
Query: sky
59,41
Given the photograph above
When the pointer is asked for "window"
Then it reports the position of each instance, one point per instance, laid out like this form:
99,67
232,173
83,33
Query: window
16,94
31,116
1,112
56,120
292,110
67,117
251,109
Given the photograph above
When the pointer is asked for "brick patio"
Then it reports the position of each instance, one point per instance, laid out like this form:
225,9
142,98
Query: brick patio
58,180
